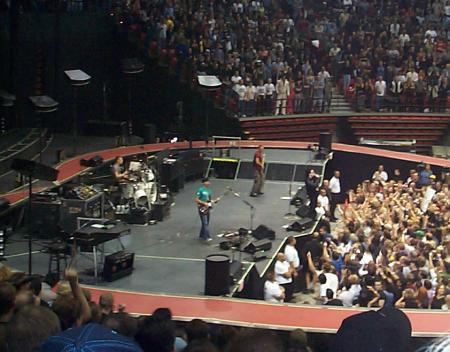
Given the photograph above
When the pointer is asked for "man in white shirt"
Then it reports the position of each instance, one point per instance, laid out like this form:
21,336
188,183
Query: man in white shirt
270,90
273,292
335,189
323,203
404,38
236,78
292,257
240,89
412,74
331,282
380,89
282,90
380,174
283,275
347,296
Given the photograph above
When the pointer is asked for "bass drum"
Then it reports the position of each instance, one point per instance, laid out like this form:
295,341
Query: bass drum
140,195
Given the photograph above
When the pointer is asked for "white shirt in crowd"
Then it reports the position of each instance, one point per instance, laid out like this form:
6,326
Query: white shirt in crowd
240,89
260,91
432,33
413,75
280,269
335,185
236,79
404,38
323,202
270,88
331,283
377,175
272,291
380,88
292,255
347,298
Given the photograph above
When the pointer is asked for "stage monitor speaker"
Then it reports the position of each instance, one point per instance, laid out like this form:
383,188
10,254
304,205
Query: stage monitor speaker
300,197
257,246
34,169
262,231
217,275
325,141
118,265
301,225
302,211
92,162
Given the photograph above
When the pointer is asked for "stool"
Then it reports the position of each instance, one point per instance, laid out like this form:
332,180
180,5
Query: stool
57,252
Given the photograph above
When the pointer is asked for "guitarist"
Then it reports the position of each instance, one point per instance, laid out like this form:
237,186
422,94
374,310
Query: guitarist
203,200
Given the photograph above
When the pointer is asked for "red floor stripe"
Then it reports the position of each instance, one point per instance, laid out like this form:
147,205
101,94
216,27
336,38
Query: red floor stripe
258,313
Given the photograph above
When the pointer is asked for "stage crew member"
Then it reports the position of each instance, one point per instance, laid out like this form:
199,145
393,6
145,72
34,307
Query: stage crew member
283,275
335,188
203,200
258,168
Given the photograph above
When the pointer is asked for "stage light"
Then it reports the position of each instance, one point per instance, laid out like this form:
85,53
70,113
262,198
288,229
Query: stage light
2,244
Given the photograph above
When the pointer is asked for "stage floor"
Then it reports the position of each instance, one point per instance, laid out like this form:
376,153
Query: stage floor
169,256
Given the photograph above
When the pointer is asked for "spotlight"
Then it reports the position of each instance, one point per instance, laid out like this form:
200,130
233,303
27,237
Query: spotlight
2,244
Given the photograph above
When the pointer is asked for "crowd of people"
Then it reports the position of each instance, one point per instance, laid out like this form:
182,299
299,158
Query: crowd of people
390,245
35,318
284,57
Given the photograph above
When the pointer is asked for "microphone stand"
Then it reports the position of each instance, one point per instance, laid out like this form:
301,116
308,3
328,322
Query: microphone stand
250,205
289,213
252,212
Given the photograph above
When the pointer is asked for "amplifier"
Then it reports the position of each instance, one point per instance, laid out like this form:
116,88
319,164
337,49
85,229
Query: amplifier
118,265
139,216
160,210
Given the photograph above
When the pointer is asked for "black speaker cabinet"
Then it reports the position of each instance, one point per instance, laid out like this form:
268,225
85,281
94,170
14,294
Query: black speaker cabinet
302,211
256,246
262,231
325,141
301,225
160,210
217,275
118,265
45,218
300,197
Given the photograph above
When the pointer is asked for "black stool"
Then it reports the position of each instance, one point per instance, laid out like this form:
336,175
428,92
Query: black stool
57,251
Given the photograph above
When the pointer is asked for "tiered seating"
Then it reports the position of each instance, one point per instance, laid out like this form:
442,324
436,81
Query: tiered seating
296,128
426,130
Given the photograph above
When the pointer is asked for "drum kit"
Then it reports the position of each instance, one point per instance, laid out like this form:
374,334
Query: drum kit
142,188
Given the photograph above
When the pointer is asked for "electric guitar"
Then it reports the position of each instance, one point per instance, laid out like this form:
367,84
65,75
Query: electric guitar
205,209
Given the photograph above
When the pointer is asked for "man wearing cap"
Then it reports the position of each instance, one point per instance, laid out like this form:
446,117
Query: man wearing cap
203,200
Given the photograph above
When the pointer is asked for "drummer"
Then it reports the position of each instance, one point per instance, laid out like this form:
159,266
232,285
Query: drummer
118,170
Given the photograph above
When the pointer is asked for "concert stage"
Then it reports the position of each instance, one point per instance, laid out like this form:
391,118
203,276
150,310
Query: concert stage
169,258
171,261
